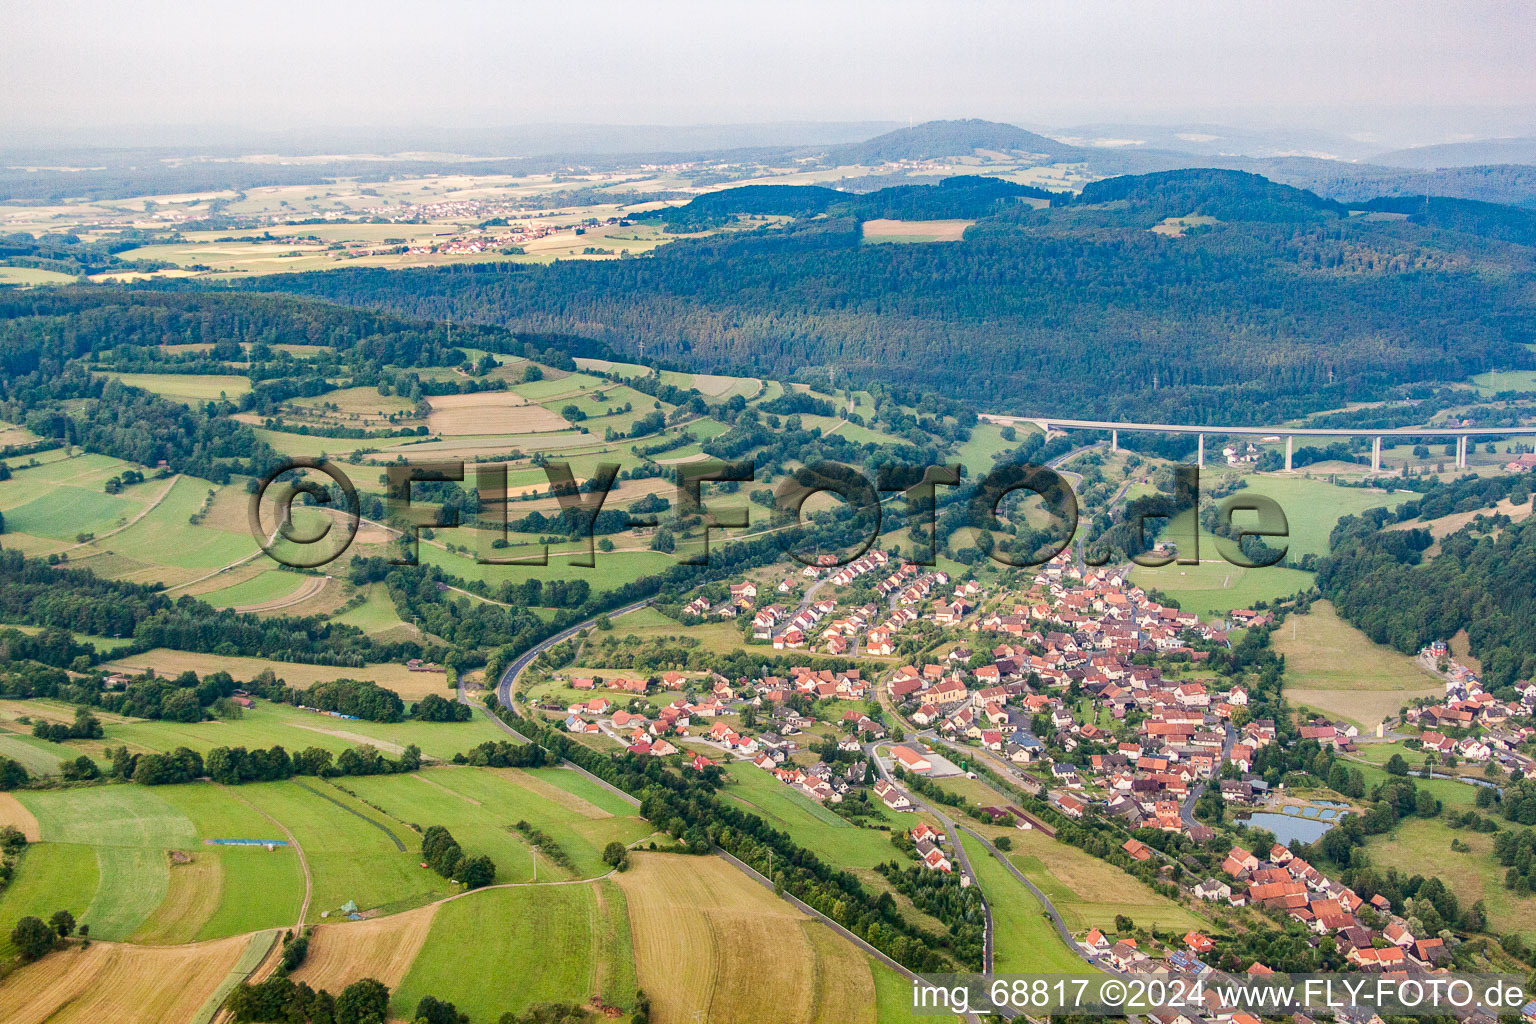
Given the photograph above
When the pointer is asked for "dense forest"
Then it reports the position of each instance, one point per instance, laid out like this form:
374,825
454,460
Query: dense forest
1289,308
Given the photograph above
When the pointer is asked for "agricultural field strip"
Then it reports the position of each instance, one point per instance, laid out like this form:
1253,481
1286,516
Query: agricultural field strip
146,510
297,849
399,845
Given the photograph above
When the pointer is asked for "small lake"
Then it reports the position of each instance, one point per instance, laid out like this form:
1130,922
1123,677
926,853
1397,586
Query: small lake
1304,824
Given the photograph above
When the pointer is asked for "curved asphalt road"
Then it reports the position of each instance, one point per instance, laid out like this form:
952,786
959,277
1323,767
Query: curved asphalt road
518,666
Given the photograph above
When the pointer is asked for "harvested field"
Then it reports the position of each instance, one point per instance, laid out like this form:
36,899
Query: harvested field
494,412
706,936
409,685
12,813
884,230
383,948
118,983
191,899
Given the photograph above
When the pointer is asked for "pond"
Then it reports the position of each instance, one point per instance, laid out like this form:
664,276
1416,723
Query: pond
1306,824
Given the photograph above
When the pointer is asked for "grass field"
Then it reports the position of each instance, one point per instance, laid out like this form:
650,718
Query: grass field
52,876
1312,508
1332,667
40,757
711,942
32,276
578,787
375,615
351,856
812,825
893,998
186,387
978,454
1505,380
1422,846
581,934
129,828
226,890
270,586
1454,795
267,724
1026,941
65,512
1089,892
609,571
1215,586
479,807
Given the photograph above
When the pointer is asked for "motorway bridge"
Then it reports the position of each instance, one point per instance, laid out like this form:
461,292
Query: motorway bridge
1463,435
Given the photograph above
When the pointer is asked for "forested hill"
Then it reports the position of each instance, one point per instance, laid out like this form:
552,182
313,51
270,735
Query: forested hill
1271,304
962,196
936,139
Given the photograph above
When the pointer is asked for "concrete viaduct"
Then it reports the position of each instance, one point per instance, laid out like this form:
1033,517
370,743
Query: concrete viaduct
1464,435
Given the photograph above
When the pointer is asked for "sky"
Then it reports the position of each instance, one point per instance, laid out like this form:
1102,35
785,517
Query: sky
1399,72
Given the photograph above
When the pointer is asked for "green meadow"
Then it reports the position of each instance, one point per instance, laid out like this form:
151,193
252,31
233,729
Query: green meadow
552,944
811,825
1026,940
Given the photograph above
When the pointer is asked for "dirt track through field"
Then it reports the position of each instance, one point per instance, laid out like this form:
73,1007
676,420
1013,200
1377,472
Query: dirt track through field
293,841
438,785
311,586
355,737
549,791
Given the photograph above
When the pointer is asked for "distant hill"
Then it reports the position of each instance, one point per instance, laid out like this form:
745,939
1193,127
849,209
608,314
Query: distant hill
1486,220
1284,307
1462,154
1212,192
962,196
937,139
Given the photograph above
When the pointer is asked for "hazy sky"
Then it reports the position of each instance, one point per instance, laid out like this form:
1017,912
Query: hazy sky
1403,71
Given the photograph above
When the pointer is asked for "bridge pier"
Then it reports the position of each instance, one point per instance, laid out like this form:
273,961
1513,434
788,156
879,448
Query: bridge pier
1200,452
1461,451
1289,443
1114,440
1376,454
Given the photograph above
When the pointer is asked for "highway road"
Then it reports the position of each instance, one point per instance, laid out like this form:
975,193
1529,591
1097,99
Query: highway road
1062,423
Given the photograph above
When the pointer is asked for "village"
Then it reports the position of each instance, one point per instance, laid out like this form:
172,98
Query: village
1078,690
